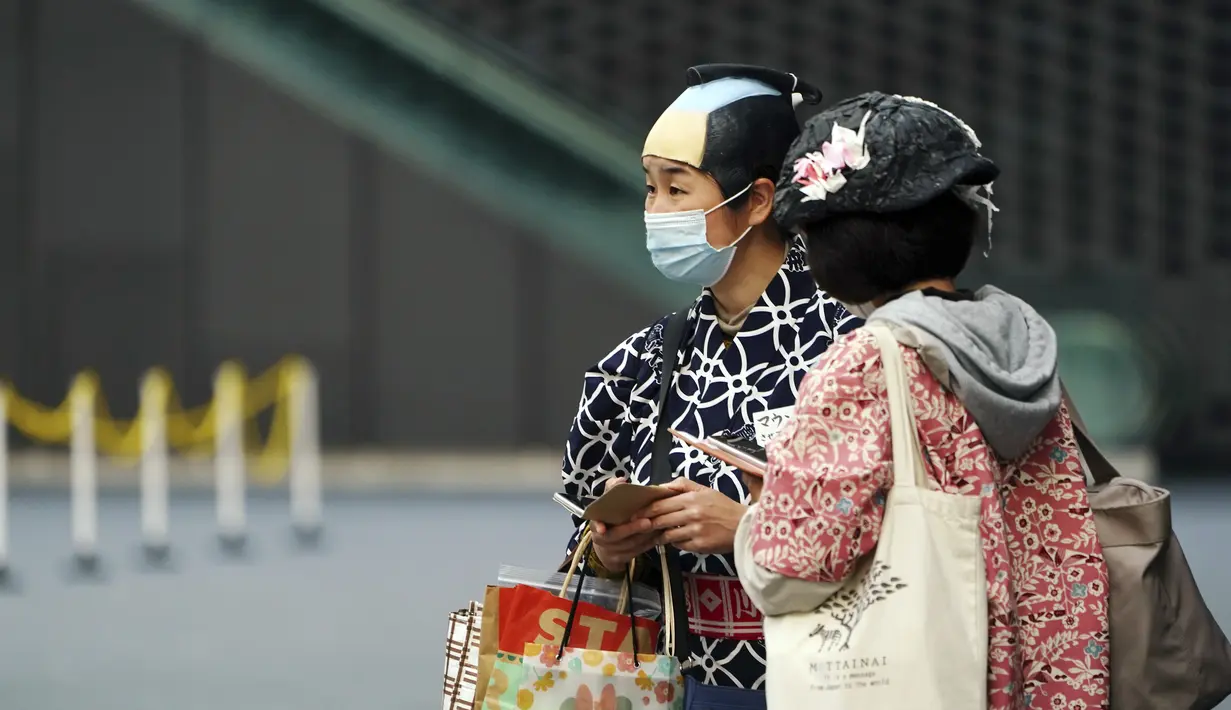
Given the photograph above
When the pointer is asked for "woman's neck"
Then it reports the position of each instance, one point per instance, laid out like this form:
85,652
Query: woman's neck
938,284
757,259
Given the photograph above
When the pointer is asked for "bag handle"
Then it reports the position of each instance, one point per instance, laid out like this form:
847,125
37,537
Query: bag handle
579,554
626,591
572,612
669,639
461,662
909,469
1093,460
660,473
575,562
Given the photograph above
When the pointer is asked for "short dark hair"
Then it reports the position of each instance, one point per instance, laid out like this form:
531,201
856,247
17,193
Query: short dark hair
859,256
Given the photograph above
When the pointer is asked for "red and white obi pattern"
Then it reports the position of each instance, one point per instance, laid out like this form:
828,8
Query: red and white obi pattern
718,607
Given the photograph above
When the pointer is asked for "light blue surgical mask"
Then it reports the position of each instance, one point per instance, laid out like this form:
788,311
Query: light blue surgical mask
679,248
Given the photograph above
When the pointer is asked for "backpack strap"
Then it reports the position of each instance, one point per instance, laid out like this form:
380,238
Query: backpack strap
1101,470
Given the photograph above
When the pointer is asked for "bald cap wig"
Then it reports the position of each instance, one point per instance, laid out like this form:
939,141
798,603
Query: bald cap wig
735,122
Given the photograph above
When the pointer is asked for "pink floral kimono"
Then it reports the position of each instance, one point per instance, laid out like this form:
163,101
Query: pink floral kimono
823,499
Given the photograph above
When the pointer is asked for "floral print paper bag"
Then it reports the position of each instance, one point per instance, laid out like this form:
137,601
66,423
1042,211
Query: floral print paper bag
503,688
598,680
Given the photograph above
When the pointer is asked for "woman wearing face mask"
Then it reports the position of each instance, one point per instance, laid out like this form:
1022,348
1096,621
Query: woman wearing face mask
710,162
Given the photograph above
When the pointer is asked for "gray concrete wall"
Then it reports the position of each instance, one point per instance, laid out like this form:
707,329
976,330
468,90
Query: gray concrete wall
160,206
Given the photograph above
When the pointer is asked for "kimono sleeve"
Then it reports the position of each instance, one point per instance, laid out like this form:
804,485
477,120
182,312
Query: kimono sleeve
774,594
829,470
599,442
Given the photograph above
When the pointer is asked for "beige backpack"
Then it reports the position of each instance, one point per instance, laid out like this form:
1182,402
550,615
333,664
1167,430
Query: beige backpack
1167,651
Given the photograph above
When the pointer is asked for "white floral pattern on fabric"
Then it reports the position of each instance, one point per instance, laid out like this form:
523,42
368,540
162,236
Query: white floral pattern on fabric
823,501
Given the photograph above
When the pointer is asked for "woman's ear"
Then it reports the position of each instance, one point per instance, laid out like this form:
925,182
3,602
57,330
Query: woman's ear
760,201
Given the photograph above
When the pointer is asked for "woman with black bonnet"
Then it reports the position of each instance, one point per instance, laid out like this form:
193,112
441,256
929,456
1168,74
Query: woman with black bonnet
759,322
890,192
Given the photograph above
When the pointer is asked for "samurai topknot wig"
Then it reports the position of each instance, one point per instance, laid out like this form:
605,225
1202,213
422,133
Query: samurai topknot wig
734,121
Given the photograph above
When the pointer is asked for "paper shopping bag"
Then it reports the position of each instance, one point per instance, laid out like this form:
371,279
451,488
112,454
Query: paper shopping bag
530,615
582,679
515,616
565,677
462,658
489,641
503,691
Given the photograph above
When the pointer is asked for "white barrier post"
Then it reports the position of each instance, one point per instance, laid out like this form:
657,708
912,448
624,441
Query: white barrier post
5,575
305,464
229,457
83,465
155,523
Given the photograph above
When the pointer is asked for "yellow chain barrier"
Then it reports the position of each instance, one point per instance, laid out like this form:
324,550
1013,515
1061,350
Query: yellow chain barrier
189,431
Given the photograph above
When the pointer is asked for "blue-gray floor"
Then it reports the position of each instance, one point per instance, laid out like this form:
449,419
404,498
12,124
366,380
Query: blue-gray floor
359,624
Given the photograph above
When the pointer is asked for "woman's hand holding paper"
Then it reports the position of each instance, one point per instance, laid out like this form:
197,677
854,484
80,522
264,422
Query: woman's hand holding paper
698,519
617,545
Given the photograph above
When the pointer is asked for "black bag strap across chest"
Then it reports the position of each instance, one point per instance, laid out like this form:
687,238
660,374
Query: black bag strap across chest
660,468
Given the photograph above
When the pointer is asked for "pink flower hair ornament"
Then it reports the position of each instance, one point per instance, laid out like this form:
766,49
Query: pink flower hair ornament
819,173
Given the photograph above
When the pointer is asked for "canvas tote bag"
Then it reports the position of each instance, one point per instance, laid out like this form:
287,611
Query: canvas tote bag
909,628
1167,650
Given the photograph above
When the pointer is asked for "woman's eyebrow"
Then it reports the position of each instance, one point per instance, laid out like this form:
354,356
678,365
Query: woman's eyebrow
668,169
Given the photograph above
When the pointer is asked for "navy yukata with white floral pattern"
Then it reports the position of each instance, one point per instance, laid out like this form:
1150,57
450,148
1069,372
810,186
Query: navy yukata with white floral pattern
719,385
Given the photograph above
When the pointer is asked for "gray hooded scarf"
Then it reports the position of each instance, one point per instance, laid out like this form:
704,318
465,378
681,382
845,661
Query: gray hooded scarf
995,352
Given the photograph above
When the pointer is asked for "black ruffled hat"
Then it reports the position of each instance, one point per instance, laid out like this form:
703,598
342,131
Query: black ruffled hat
878,153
